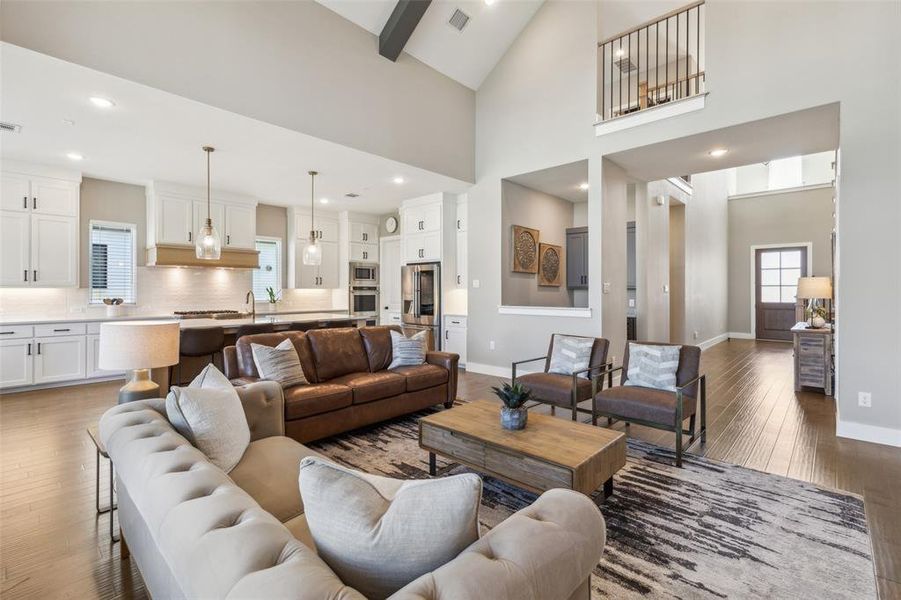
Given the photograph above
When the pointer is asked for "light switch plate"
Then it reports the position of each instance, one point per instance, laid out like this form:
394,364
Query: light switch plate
476,283
606,287
666,289
631,302
864,399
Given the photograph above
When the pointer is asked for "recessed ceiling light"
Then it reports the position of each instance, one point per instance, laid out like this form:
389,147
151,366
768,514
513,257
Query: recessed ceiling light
323,201
583,186
489,2
620,52
74,156
717,152
68,122
399,180
101,102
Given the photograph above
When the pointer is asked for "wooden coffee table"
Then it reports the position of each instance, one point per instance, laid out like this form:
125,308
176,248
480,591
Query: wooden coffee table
548,453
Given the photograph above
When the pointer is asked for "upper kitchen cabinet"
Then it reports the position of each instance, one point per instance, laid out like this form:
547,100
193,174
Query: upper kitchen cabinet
39,226
429,231
175,214
363,233
325,226
577,258
462,213
326,275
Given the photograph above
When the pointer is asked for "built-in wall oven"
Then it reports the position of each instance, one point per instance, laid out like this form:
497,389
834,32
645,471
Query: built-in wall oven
364,302
364,275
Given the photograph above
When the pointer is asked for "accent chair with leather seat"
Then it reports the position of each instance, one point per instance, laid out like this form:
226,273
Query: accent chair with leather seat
564,390
658,408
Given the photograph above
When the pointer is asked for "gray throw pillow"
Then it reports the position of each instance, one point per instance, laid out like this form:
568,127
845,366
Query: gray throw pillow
280,363
209,414
653,366
571,354
379,534
408,351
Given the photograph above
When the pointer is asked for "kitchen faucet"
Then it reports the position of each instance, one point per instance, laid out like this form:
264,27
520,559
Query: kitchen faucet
252,300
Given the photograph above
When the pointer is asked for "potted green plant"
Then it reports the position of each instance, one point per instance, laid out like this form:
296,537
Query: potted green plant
513,413
273,299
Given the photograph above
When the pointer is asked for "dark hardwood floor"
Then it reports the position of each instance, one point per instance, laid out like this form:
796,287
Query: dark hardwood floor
53,546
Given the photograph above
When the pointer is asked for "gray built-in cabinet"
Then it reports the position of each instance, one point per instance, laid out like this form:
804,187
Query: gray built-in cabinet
577,258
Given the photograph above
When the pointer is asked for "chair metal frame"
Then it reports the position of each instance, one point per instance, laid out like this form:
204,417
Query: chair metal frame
676,428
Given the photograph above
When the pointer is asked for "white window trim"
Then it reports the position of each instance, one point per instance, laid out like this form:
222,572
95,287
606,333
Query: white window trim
134,258
279,245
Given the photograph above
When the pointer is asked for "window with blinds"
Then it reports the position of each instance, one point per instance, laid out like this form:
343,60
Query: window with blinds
112,261
270,272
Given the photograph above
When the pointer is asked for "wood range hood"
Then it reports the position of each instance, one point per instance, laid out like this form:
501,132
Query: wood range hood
175,255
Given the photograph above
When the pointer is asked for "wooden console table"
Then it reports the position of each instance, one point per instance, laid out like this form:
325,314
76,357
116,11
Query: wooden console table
813,357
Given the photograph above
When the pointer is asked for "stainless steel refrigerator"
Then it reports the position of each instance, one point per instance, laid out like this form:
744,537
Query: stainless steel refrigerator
421,295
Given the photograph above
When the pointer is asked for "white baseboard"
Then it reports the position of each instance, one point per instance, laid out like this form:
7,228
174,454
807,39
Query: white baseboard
740,335
868,433
713,341
504,372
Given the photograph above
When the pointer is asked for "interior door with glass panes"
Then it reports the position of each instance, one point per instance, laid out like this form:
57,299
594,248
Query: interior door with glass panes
777,271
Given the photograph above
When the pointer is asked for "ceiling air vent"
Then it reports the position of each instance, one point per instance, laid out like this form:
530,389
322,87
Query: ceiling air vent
351,195
10,127
625,64
459,19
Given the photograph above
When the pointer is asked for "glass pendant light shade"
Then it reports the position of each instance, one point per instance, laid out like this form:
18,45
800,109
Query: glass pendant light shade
312,253
208,245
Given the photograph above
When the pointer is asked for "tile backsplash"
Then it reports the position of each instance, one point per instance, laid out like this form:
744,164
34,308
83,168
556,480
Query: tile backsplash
161,290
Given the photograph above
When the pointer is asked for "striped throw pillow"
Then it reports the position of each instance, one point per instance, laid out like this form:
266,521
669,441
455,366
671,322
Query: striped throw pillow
280,363
653,366
570,355
408,351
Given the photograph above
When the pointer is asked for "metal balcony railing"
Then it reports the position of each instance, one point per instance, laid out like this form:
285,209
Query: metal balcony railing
655,63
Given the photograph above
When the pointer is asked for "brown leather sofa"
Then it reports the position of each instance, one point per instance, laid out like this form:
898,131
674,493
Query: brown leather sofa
350,384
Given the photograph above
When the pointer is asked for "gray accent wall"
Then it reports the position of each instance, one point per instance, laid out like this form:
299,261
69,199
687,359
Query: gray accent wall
272,221
110,201
293,64
551,216
791,217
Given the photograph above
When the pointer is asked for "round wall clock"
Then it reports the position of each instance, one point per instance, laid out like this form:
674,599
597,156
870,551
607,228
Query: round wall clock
391,224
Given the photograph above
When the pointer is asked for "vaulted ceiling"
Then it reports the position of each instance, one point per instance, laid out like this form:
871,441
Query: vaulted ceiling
466,56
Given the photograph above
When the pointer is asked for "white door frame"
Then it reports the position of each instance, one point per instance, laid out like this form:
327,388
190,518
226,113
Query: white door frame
754,249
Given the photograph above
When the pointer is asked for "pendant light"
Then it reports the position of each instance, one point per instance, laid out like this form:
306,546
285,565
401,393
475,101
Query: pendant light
209,246
312,254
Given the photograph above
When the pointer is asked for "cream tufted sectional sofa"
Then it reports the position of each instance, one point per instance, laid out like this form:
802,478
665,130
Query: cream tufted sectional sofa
197,532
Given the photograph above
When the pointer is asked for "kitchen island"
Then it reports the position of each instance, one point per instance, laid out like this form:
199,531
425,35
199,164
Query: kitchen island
280,321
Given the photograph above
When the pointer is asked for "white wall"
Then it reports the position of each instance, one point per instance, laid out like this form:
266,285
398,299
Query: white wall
293,64
531,114
765,59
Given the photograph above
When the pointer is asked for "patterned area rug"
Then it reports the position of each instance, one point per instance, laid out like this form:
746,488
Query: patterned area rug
709,530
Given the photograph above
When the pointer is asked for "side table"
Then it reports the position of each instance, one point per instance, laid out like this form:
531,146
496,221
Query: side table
94,434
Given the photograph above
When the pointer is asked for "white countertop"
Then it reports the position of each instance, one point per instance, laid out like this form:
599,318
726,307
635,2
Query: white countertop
261,318
268,318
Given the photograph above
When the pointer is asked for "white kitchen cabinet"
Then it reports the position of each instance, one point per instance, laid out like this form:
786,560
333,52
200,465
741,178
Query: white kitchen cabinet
15,249
390,277
364,252
364,233
455,336
461,216
390,318
59,358
422,247
217,215
15,192
16,364
175,220
460,262
54,251
39,229
422,218
240,226
326,228
322,276
54,197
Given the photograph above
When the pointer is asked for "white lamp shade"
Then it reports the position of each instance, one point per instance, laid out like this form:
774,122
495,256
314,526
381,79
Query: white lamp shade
128,345
814,287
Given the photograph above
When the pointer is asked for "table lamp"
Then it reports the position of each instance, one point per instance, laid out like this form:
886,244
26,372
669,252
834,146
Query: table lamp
813,289
138,346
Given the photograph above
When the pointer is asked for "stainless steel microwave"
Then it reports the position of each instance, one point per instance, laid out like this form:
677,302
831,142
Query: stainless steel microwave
364,274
